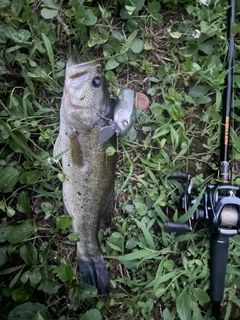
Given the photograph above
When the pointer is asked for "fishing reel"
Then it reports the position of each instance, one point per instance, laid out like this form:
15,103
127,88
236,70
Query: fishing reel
218,208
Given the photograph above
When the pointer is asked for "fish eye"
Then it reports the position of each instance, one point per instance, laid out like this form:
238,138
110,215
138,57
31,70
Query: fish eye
96,82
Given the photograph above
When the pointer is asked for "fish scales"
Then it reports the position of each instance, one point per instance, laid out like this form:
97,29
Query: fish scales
89,185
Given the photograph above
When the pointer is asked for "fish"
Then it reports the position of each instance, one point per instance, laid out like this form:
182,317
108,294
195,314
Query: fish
88,190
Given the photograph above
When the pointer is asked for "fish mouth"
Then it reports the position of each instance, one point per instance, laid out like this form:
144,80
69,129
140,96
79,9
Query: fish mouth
79,74
78,79
77,70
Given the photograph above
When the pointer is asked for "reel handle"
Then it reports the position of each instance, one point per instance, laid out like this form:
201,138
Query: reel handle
176,227
179,176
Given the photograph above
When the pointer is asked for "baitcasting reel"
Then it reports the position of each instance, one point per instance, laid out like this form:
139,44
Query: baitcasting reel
219,208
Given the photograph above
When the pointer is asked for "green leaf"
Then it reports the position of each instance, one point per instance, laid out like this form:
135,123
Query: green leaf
65,272
92,314
110,151
235,139
147,235
90,19
73,237
9,178
114,246
47,13
158,277
132,134
25,276
4,3
110,76
118,35
27,311
137,45
31,177
131,243
38,316
16,6
154,10
20,294
159,292
21,232
35,277
183,306
49,286
3,255
63,222
201,296
129,41
15,279
28,253
10,212
97,38
138,254
206,47
23,202
50,3
154,7
235,28
11,270
24,35
141,208
137,5
130,9
111,64
47,208
175,34
198,91
49,49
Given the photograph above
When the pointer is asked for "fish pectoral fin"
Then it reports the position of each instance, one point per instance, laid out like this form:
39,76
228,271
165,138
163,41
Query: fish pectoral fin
76,150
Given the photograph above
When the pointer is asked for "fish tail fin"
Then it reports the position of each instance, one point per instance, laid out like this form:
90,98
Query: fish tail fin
94,272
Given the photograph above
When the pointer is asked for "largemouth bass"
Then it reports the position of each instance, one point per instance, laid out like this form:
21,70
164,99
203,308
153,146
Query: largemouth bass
89,185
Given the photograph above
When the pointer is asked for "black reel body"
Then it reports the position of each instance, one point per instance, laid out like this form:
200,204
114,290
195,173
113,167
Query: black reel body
219,208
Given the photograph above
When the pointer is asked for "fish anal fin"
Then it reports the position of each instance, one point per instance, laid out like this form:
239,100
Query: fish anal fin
105,220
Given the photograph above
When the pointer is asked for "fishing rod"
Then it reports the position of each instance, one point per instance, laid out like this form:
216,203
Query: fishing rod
218,206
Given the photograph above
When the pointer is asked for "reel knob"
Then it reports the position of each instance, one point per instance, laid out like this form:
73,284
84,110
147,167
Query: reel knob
176,227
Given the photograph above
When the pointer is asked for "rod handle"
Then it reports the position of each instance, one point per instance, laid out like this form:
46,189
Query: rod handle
218,265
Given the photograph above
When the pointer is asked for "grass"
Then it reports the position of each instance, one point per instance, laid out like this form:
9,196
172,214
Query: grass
173,51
